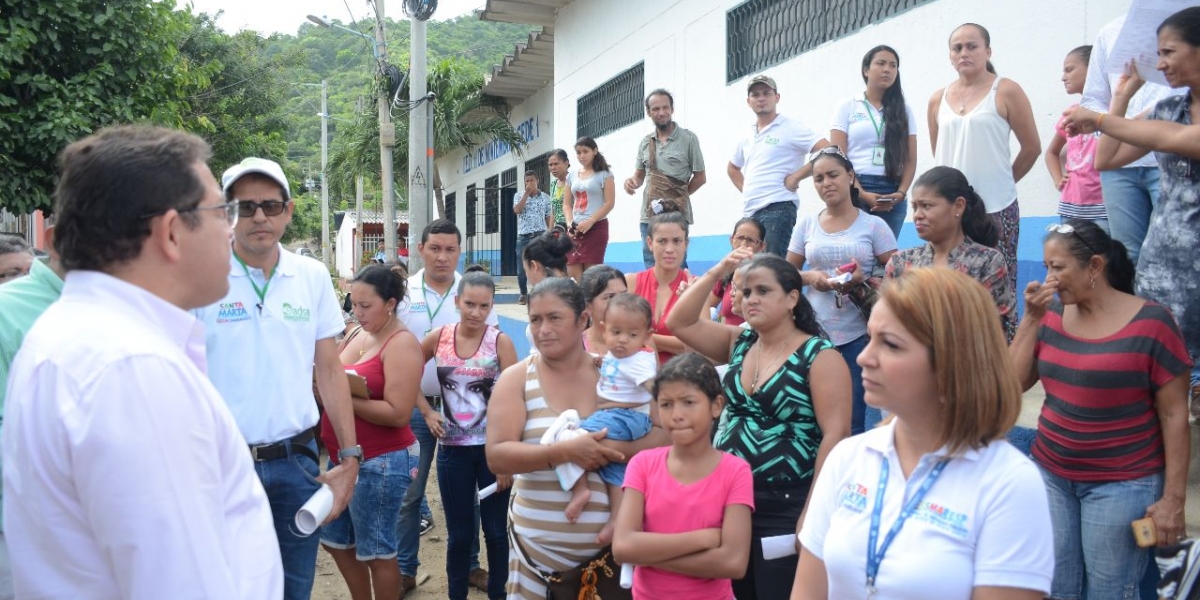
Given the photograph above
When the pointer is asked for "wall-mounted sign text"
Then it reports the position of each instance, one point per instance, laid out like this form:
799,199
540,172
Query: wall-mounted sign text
530,129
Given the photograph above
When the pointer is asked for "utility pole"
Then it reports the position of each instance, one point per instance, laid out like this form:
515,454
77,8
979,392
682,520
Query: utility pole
420,182
387,140
325,257
358,221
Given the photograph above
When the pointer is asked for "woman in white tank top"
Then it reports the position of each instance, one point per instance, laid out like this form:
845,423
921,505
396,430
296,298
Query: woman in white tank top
969,125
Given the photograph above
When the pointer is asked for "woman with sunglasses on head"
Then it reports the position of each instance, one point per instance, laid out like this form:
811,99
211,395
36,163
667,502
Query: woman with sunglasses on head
879,134
959,234
1112,440
748,233
970,121
842,238
1166,267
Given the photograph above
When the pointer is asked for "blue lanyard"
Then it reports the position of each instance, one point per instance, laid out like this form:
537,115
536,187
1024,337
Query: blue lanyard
874,550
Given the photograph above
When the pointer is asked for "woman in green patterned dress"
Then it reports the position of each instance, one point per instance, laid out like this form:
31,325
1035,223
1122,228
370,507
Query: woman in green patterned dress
788,393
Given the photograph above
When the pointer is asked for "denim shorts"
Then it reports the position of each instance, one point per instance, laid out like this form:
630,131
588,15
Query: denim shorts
371,525
624,424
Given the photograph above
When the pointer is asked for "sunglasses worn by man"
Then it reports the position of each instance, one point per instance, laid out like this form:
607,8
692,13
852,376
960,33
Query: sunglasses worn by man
270,208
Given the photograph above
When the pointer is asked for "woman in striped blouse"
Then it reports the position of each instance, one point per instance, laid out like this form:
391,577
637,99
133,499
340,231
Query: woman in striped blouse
1112,439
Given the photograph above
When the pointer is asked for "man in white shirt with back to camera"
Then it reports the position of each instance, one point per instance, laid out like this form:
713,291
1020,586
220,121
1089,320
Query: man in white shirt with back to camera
125,475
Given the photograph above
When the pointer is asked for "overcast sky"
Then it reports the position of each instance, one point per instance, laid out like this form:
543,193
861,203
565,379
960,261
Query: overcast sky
286,16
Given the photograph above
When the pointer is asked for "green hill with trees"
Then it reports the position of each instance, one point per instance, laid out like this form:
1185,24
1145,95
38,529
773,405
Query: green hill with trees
86,64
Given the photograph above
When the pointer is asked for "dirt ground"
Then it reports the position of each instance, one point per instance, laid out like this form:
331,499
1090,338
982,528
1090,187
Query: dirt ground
431,576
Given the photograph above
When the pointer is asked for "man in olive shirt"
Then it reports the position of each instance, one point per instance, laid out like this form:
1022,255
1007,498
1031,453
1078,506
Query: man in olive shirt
676,155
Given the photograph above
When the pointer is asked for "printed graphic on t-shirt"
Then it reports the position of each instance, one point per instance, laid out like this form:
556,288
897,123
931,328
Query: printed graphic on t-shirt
231,312
950,521
466,391
581,201
853,497
298,314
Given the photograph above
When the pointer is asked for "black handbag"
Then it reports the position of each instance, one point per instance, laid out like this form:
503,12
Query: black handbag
597,578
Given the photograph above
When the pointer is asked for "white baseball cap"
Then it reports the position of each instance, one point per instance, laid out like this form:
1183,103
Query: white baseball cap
261,166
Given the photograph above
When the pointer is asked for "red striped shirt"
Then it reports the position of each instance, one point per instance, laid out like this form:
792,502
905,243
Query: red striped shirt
1099,422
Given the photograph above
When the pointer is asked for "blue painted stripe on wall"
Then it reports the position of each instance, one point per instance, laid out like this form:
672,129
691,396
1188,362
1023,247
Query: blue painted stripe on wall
515,328
705,251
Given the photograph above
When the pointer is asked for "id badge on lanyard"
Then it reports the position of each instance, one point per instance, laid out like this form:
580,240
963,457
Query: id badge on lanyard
877,151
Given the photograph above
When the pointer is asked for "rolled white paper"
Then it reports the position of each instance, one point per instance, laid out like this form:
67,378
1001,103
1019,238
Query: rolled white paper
626,576
778,546
313,513
487,491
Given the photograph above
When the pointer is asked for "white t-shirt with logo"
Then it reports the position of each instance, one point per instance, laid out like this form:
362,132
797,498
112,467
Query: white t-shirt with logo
424,310
863,134
261,352
769,155
984,522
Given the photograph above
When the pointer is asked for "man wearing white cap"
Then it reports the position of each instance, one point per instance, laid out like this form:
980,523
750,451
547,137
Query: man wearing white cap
265,338
770,162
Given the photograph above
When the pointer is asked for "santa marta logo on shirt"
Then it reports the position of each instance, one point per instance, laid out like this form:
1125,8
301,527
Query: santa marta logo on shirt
295,313
771,140
853,497
230,312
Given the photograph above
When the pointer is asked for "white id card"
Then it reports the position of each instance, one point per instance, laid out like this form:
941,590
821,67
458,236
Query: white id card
877,155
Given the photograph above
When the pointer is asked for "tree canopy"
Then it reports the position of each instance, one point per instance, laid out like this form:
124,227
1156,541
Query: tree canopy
70,67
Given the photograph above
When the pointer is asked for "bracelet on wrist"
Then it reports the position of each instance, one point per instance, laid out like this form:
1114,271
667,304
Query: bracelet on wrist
1099,121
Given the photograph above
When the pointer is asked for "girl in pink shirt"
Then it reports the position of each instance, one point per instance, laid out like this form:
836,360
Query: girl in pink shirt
685,518
1073,171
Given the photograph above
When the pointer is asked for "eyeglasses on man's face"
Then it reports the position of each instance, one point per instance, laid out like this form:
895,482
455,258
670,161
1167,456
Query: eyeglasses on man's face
270,208
230,208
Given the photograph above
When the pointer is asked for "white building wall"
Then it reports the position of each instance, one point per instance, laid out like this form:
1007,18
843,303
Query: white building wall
683,45
534,119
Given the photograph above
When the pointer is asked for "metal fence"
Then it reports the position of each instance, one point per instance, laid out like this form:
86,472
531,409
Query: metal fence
21,225
613,105
763,33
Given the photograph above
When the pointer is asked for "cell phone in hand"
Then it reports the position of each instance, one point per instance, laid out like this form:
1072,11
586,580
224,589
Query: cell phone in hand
885,200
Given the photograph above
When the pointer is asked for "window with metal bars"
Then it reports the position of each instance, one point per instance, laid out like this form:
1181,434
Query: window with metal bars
538,166
472,202
451,208
764,33
613,105
491,204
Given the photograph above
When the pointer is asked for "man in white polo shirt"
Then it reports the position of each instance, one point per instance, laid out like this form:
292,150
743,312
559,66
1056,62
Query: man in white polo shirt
125,475
429,305
769,164
265,338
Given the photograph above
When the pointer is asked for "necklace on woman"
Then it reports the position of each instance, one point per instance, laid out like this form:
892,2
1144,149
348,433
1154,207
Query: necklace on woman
759,363
962,101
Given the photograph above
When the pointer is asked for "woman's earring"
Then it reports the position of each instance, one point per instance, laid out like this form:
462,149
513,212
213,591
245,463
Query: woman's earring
1093,280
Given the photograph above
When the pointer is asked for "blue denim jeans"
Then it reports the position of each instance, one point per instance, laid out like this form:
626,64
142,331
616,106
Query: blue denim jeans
414,506
523,240
779,220
862,417
647,254
878,184
371,524
289,483
462,470
1094,553
1130,195
624,424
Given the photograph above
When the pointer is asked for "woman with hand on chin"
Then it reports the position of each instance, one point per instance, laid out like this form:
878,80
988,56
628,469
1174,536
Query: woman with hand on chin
879,134
934,503
959,234
970,121
842,234
748,233
789,399
1112,441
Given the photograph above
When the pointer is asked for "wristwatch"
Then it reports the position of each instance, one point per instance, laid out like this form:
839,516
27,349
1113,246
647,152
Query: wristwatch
351,452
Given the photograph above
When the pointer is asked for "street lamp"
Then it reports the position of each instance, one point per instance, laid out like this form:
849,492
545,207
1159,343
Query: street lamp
387,131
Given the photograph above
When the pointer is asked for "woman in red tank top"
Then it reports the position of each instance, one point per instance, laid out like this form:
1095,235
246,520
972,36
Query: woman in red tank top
364,540
662,284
